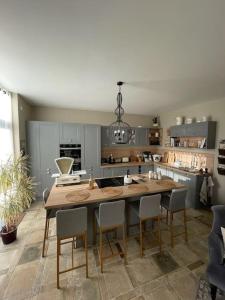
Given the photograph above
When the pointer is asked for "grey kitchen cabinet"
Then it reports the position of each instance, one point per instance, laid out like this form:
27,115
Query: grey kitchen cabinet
141,135
43,148
147,168
201,129
107,172
193,183
49,150
71,133
105,136
92,149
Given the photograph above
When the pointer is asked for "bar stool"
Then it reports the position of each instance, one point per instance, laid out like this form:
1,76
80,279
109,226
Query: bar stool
110,216
173,204
71,223
50,214
148,208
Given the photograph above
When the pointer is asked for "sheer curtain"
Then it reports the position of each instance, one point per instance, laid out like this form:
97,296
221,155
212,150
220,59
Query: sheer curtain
6,135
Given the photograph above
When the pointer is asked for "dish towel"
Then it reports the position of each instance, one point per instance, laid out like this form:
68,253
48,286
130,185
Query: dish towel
206,190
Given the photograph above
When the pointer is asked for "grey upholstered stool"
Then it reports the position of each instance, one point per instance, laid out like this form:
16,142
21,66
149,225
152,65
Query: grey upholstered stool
50,214
173,204
71,223
148,208
110,216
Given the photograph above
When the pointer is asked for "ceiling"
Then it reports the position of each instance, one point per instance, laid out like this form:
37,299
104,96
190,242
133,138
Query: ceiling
71,53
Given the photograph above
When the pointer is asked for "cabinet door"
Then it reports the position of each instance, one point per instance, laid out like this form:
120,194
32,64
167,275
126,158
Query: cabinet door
49,150
71,133
33,150
197,129
141,136
107,172
105,136
119,171
92,146
178,131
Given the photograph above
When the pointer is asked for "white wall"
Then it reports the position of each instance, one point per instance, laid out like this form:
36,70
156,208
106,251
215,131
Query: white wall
44,113
216,111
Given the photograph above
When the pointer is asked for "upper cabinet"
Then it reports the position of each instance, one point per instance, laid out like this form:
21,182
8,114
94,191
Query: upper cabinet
205,130
71,133
92,146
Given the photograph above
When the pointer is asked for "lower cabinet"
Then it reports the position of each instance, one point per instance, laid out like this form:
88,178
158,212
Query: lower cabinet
193,183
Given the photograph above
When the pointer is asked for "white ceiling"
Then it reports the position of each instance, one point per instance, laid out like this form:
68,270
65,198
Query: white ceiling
71,53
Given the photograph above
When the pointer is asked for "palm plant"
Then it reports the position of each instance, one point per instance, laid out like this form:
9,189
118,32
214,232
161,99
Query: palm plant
16,191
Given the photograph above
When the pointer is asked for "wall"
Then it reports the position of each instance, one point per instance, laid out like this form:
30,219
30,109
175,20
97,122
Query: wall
216,111
42,113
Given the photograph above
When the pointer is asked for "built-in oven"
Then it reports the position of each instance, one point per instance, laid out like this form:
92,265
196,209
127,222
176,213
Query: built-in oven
74,151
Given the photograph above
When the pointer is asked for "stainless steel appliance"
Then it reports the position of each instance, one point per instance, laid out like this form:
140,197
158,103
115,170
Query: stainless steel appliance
73,151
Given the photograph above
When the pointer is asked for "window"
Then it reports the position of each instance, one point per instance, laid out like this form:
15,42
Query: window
6,136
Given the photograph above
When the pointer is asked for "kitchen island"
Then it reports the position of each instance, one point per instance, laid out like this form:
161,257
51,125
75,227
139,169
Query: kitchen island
81,195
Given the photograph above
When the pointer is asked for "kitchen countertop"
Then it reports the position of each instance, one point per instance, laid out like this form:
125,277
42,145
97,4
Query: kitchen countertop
168,166
58,196
129,164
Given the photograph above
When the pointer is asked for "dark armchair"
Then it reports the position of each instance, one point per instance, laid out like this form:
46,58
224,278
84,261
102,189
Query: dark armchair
216,267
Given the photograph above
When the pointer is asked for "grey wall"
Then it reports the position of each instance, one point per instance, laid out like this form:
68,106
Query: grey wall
216,111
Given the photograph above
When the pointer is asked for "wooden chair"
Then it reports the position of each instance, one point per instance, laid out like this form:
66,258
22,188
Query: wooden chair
70,224
148,208
173,204
110,216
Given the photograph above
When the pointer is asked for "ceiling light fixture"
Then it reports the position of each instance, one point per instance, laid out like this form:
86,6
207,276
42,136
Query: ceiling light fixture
120,131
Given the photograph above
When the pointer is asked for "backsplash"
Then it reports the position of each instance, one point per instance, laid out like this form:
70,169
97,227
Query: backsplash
185,158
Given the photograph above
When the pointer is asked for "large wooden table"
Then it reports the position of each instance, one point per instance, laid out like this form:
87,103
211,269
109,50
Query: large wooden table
80,194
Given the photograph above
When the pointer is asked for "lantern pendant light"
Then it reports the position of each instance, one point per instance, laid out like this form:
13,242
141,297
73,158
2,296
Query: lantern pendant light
120,131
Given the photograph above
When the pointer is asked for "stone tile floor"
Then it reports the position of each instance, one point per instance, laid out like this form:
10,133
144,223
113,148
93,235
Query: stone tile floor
24,274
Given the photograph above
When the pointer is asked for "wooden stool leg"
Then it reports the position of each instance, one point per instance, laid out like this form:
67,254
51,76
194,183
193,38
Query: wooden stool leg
141,239
185,226
101,259
86,253
171,228
47,232
159,232
124,244
45,237
72,251
58,252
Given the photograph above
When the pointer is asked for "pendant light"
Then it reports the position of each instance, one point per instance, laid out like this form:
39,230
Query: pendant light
120,131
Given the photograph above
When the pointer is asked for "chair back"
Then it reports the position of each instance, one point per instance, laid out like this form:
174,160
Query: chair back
45,195
112,213
218,218
71,222
178,199
149,206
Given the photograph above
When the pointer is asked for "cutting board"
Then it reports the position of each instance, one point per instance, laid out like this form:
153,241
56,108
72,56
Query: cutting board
112,192
77,195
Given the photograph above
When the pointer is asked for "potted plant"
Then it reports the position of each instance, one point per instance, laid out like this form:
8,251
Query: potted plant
16,194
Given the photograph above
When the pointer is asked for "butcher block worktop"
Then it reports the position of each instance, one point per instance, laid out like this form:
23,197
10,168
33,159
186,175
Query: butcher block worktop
81,195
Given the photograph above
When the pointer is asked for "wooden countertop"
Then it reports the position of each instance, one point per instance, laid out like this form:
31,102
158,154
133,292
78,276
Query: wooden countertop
185,172
81,195
129,164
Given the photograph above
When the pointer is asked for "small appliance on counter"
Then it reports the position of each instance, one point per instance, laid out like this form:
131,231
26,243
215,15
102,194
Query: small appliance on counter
157,157
147,156
125,159
64,165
